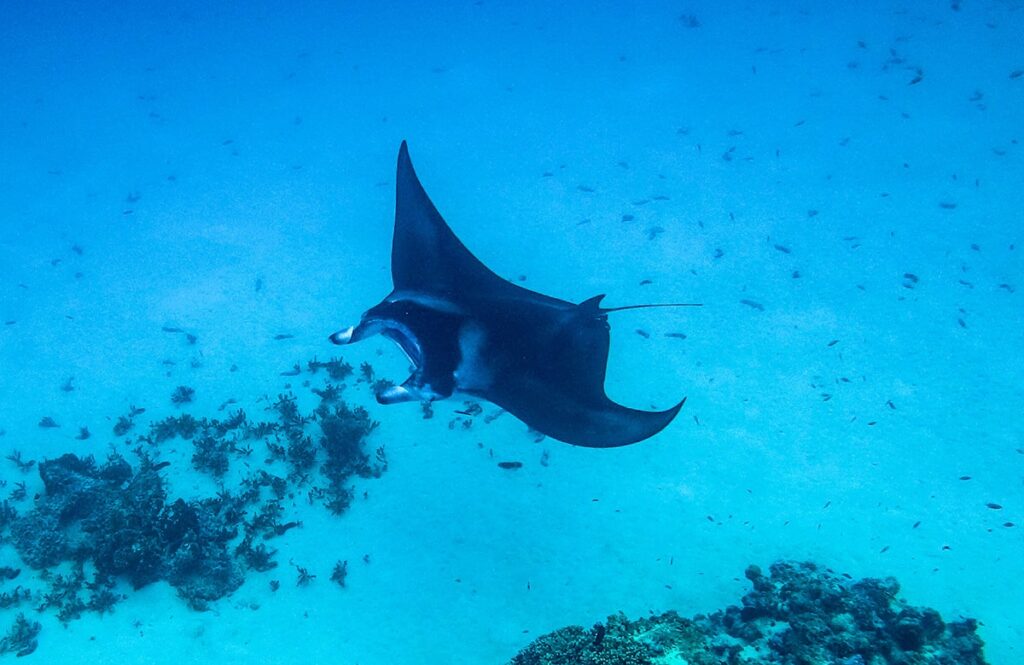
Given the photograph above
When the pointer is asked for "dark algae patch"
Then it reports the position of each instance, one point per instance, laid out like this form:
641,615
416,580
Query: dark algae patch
21,637
798,614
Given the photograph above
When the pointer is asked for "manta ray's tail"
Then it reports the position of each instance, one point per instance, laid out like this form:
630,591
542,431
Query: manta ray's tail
666,304
595,304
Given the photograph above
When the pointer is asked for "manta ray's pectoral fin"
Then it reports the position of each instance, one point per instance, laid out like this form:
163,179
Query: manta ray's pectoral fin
367,327
352,334
343,336
396,395
412,390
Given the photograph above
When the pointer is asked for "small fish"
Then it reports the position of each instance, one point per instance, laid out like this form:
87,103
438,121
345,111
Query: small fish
833,342
510,465
281,336
171,329
753,304
676,335
993,506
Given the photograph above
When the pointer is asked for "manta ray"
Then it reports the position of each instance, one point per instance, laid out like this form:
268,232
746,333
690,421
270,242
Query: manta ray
466,330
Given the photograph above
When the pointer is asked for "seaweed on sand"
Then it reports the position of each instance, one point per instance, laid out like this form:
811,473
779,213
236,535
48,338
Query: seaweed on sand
23,465
344,435
301,453
183,395
344,432
340,573
257,557
211,455
288,411
21,637
337,369
184,426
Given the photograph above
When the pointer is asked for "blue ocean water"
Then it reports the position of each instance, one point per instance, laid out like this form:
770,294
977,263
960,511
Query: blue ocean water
197,194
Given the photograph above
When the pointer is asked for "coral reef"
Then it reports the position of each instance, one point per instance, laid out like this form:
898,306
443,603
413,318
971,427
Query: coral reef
799,614
120,521
98,528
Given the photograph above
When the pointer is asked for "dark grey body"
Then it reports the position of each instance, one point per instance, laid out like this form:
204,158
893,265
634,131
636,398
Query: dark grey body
467,330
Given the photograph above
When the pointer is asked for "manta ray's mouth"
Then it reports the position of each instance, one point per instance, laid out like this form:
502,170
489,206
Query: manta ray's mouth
405,339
